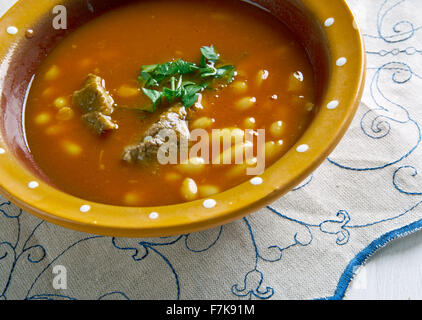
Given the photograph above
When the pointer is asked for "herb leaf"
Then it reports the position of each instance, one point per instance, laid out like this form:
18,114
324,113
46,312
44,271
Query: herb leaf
226,72
169,77
155,97
184,67
209,53
191,94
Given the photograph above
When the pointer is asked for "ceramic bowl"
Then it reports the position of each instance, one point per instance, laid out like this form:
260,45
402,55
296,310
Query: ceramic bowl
326,28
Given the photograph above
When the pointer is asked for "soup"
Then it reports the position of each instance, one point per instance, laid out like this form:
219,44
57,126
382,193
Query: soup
97,102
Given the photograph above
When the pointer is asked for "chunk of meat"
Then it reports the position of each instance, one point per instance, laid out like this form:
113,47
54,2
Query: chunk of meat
94,96
175,118
96,103
99,122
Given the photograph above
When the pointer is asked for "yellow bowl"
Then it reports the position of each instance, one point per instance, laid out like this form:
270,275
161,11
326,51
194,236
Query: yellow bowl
326,28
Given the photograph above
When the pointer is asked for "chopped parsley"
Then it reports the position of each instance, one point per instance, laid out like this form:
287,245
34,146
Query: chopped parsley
182,80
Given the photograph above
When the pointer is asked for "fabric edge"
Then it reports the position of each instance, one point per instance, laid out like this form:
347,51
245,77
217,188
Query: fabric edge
362,257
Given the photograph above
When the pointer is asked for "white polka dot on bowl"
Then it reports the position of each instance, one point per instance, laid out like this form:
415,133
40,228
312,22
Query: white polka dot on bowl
154,215
12,30
302,148
210,203
257,181
329,22
341,61
33,185
332,105
85,208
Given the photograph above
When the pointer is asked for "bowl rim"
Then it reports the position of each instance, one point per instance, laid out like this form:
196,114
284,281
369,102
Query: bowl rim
338,107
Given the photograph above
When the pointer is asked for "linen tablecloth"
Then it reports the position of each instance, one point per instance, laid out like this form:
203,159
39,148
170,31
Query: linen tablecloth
307,245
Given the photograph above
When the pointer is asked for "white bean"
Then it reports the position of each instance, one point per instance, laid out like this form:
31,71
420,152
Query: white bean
245,103
208,190
131,199
42,118
52,73
262,75
60,102
277,129
173,176
249,123
239,86
48,92
203,123
72,148
227,134
235,154
65,114
273,149
127,92
54,130
189,189
193,166
240,169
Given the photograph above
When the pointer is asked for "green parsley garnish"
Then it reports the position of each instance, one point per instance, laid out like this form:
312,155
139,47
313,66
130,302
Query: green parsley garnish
182,80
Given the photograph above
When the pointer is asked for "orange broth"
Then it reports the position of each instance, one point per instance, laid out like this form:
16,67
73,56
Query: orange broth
115,46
